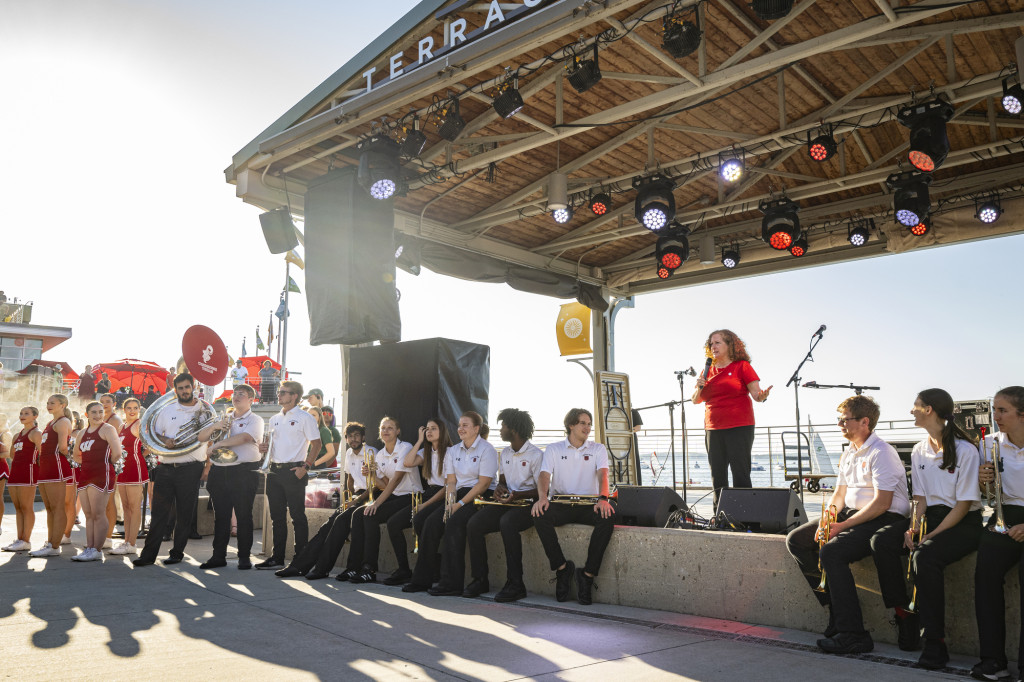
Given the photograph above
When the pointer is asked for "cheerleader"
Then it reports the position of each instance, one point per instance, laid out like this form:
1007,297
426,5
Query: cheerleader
53,471
133,477
6,441
110,416
393,506
71,504
998,552
430,458
21,480
97,449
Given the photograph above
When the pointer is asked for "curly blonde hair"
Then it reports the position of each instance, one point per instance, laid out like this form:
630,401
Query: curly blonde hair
737,349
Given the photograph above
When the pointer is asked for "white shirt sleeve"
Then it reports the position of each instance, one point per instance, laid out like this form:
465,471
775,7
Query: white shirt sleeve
917,481
401,450
601,453
449,463
968,459
885,475
309,428
489,463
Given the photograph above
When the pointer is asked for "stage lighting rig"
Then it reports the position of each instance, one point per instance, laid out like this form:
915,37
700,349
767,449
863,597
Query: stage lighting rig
910,201
379,171
655,206
921,229
507,102
823,147
988,210
859,231
673,248
414,141
1013,97
562,215
929,143
799,248
731,257
583,74
680,37
780,226
600,203
448,120
771,9
730,167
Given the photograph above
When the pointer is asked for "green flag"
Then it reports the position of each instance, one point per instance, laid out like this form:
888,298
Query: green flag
292,286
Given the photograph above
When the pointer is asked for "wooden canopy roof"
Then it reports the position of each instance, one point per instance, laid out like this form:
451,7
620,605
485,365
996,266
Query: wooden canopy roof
754,88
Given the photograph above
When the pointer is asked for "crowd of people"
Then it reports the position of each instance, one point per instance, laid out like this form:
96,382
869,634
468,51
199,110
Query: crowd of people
454,491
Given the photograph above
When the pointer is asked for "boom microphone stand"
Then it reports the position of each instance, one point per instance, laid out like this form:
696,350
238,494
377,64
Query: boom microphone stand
680,375
795,380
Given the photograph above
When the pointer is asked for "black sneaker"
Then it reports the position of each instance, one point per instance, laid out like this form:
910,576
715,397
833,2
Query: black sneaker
563,581
584,587
831,630
847,643
514,590
440,590
142,562
270,564
244,563
908,632
364,576
414,587
213,563
347,575
287,572
935,655
476,587
990,669
399,577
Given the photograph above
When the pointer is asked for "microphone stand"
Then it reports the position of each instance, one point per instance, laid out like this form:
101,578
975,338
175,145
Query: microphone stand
795,380
856,389
680,375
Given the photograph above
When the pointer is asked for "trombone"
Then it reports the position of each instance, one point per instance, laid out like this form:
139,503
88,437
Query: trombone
921,532
828,517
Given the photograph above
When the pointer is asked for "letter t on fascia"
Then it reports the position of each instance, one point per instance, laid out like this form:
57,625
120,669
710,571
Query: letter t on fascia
368,76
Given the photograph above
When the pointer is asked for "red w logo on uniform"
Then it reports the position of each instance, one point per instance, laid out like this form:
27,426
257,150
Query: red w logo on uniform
586,457
523,463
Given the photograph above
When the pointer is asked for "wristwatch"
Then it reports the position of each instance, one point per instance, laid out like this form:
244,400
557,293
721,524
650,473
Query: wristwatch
603,497
305,465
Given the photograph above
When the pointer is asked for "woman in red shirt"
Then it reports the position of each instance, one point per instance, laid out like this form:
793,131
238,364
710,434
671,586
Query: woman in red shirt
727,388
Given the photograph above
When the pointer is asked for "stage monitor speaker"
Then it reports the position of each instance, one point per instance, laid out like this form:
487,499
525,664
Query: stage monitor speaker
761,510
350,263
647,506
279,230
415,381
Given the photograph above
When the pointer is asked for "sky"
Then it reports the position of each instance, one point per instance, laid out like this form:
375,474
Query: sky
120,117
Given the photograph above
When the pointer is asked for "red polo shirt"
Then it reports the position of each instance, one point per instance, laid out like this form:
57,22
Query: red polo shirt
726,398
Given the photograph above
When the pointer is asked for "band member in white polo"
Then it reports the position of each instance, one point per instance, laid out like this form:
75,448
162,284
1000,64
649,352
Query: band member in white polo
175,479
870,494
578,467
518,469
296,442
232,485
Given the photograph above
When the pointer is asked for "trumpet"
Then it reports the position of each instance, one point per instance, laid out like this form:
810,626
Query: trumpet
576,500
828,517
417,499
997,496
512,503
369,461
449,500
223,455
921,532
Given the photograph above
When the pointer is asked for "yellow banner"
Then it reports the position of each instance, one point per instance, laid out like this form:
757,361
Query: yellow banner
573,329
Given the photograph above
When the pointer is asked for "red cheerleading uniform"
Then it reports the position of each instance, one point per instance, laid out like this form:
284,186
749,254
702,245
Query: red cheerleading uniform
52,467
97,470
5,472
22,470
135,469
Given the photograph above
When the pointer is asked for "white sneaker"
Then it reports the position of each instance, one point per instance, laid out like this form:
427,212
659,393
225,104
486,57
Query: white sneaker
17,546
66,540
123,548
107,544
46,550
92,554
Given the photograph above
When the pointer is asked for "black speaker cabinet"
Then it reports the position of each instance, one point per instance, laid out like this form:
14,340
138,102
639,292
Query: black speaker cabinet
279,230
417,380
762,510
640,506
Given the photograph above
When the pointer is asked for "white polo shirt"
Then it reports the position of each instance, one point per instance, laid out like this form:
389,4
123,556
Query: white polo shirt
239,375
522,467
247,452
469,464
390,462
293,431
873,465
1013,467
574,470
354,465
167,424
940,486
436,475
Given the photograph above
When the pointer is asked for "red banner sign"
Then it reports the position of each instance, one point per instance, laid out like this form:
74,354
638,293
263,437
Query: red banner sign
205,355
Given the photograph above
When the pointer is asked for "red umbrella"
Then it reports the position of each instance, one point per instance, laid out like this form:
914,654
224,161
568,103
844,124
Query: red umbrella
138,375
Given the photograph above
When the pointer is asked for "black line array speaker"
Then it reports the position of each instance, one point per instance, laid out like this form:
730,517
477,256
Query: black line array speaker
279,230
416,380
350,263
647,506
762,510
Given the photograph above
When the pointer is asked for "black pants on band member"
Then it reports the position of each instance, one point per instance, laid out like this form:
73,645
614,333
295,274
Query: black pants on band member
324,548
510,521
365,546
428,561
836,556
232,489
287,493
558,514
997,554
929,561
453,549
175,491
729,449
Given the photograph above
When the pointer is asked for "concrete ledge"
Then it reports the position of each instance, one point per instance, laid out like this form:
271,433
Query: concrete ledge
743,577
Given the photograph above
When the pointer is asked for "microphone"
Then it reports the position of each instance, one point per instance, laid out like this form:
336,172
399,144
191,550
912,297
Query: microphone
707,368
811,384
819,332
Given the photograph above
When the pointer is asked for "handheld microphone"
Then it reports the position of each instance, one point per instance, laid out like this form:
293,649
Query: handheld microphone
707,368
820,330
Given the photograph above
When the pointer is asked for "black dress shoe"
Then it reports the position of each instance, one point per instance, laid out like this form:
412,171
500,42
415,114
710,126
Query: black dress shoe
476,588
908,632
935,655
170,561
398,578
167,537
213,563
142,562
584,588
513,591
443,591
990,669
244,564
563,581
270,564
831,630
287,572
847,643
195,536
316,575
414,587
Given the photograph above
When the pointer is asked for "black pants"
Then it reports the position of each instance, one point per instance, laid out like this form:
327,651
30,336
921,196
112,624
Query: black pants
453,549
558,514
287,493
365,548
836,556
232,489
929,561
430,520
175,491
511,521
997,554
324,548
729,449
